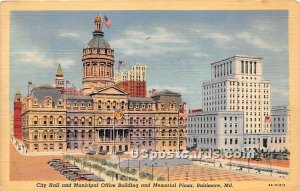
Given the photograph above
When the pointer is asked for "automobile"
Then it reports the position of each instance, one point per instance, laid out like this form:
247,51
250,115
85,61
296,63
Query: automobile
102,152
120,152
91,153
54,160
58,164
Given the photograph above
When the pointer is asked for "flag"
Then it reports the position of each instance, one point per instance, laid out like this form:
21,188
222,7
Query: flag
68,82
122,114
107,21
148,38
181,110
121,63
268,119
117,114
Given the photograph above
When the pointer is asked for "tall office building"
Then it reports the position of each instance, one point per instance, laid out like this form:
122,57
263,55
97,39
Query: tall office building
237,84
133,81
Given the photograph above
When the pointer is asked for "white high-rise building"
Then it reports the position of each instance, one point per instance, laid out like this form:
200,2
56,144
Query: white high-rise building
237,84
136,72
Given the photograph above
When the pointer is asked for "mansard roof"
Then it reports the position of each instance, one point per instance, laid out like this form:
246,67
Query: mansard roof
43,91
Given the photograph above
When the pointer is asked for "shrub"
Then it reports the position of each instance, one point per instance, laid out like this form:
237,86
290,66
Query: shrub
161,178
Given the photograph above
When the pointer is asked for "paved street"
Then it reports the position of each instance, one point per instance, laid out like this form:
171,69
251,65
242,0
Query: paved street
32,168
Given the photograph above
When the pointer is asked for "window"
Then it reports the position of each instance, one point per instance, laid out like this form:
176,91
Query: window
99,104
99,120
82,121
68,121
60,120
108,120
51,120
35,120
45,120
75,121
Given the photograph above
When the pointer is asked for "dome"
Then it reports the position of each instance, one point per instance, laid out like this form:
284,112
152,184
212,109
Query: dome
98,42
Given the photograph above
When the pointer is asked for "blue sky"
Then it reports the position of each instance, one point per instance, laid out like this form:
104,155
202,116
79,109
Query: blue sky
178,55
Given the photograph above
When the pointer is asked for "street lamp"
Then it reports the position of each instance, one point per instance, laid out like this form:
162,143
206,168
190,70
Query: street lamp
168,171
139,167
127,168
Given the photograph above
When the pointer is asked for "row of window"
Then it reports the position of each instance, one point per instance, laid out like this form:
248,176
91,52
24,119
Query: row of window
47,147
231,83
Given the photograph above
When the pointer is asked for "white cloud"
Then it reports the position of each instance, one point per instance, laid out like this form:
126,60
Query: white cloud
141,43
259,42
69,35
200,55
217,37
44,60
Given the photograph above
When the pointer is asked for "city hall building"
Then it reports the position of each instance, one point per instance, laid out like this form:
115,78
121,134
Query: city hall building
100,114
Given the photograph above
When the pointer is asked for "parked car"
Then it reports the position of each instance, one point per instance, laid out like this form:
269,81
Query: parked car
119,152
91,153
102,152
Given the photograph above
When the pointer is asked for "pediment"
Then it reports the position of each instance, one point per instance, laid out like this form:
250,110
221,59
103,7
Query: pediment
111,90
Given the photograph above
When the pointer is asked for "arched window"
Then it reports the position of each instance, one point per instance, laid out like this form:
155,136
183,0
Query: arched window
122,105
108,105
170,132
99,104
131,120
35,135
51,134
83,134
174,120
69,134
137,133
163,121
163,143
75,120
170,120
181,121
60,120
150,121
137,120
174,132
163,133
144,121
82,121
108,121
114,105
144,132
60,134
35,120
51,120
45,120
90,134
45,134
90,121
99,120
75,134
181,133
68,120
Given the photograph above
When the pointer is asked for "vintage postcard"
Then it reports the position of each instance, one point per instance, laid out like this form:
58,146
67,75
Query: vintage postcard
150,95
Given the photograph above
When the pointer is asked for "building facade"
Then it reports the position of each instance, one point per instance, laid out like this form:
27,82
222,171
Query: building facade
237,91
237,84
17,119
104,117
216,130
133,81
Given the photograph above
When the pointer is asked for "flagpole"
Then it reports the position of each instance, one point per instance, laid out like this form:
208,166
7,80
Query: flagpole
28,89
113,133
